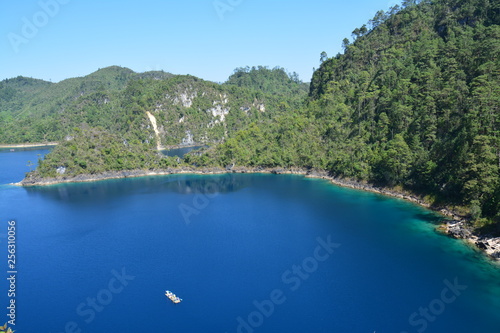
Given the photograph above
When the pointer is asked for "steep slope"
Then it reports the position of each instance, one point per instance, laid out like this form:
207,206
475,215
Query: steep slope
187,109
420,93
414,101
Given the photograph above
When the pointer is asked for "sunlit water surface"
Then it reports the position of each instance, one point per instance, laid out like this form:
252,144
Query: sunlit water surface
246,253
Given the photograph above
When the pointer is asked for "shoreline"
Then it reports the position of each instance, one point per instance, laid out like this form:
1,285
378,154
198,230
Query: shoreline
454,224
28,145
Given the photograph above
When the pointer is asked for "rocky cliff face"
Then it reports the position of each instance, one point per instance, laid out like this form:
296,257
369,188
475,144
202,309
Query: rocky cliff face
199,112
459,229
152,119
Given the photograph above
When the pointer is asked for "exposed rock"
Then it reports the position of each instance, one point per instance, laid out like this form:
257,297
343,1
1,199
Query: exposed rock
458,230
461,230
493,247
184,98
152,119
481,245
189,139
61,170
219,111
317,173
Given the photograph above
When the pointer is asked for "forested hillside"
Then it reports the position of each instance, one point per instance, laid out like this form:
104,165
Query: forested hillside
33,110
413,101
421,90
116,119
274,81
186,109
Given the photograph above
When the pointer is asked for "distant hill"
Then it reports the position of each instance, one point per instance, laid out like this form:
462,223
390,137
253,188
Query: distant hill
273,81
35,110
187,109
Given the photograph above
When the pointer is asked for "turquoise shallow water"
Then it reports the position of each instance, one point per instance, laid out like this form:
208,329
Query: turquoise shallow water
247,253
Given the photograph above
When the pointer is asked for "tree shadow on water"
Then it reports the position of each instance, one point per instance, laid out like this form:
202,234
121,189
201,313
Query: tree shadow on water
102,191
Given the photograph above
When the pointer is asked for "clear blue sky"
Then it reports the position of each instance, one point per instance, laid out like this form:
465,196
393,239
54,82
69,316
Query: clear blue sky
68,38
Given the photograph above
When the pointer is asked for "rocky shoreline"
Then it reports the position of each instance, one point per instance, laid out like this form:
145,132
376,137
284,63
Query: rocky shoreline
28,145
454,225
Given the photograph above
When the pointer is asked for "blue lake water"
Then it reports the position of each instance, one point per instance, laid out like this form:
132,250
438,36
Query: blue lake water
180,152
247,253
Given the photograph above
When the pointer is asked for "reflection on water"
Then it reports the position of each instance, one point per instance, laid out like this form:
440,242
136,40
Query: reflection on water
103,190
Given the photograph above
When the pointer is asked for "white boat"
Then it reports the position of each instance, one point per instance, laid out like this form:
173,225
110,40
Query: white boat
172,296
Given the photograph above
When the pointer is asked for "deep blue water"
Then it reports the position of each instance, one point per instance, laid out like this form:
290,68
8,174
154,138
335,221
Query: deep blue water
243,253
13,165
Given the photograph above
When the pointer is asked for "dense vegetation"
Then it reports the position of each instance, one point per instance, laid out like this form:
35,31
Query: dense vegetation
274,81
33,110
108,128
95,150
414,101
117,100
